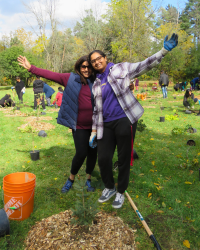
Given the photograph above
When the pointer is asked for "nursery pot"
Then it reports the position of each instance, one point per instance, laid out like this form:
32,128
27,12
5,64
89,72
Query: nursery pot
191,143
162,119
17,108
174,97
188,112
35,155
56,106
161,108
4,223
43,113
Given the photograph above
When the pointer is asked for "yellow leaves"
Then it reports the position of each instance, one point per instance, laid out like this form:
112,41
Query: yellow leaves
150,195
0,187
55,179
198,154
152,139
163,204
28,161
137,196
153,163
186,243
156,184
23,166
159,188
151,170
188,182
178,201
141,175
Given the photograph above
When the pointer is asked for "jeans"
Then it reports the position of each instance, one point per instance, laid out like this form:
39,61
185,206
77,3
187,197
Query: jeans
164,90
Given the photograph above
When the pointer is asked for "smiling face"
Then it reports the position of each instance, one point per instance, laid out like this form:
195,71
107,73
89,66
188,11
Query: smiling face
85,69
98,62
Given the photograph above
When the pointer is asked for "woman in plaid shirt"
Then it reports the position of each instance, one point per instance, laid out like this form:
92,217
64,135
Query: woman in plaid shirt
115,115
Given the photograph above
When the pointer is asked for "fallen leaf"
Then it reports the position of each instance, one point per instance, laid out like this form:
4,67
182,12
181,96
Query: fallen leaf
186,243
152,139
151,170
163,204
187,182
137,196
28,161
141,174
156,184
178,201
55,179
149,195
153,163
191,171
23,166
160,211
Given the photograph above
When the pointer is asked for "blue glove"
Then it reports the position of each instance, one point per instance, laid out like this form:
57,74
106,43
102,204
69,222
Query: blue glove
171,43
93,140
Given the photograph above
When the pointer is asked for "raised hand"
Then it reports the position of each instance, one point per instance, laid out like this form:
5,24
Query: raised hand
171,43
24,62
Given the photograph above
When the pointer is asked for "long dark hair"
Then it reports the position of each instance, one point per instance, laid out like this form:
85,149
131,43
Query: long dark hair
187,93
77,68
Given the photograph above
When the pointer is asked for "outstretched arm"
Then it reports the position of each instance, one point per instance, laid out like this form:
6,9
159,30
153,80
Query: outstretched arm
61,78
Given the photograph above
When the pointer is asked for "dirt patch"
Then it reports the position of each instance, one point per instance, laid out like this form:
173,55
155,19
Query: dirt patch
37,126
42,118
57,232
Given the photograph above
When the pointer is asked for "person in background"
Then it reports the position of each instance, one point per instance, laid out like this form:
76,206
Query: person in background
164,82
177,86
193,82
48,93
7,101
137,84
188,95
20,88
75,113
59,96
38,86
115,116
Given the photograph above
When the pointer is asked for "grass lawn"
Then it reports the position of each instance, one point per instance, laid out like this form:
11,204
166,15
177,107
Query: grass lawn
164,182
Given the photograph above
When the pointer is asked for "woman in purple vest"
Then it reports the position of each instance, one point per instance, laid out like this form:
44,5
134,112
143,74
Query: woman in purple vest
115,116
75,112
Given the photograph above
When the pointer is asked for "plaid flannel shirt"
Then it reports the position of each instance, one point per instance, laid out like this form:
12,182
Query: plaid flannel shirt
119,79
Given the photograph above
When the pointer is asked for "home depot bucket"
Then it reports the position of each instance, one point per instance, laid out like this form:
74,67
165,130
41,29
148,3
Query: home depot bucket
19,191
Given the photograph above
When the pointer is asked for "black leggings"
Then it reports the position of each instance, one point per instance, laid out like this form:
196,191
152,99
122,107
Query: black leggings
20,96
116,133
83,150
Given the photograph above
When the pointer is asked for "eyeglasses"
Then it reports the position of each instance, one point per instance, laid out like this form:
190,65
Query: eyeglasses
84,66
97,59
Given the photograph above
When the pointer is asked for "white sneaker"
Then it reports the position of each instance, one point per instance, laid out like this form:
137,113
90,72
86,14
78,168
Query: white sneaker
119,200
107,194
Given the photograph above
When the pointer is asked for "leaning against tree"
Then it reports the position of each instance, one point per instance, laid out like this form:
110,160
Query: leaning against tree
116,113
75,112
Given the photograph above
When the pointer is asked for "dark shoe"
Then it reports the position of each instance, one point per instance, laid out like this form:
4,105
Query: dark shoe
90,188
107,194
67,186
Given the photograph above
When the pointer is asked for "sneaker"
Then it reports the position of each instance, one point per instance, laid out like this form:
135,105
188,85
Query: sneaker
119,200
90,188
67,186
107,194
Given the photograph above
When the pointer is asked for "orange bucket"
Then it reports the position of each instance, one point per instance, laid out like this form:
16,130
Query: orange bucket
19,191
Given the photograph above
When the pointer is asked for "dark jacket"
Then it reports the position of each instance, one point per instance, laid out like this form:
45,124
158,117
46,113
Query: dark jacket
164,80
7,100
68,112
19,86
48,90
38,86
185,100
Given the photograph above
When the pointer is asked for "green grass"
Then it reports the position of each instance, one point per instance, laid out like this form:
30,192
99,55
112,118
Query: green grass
160,157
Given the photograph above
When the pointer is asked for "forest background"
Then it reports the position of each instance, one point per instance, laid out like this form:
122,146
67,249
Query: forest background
130,30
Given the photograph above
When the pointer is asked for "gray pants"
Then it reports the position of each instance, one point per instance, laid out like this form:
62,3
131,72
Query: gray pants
48,100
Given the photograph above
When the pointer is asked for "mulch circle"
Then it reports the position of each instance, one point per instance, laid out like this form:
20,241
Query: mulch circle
57,232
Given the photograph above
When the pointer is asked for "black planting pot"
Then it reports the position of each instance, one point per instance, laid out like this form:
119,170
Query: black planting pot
162,119
191,143
4,223
174,97
17,108
35,155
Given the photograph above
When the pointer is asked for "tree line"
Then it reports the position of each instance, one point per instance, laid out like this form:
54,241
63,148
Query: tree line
131,30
